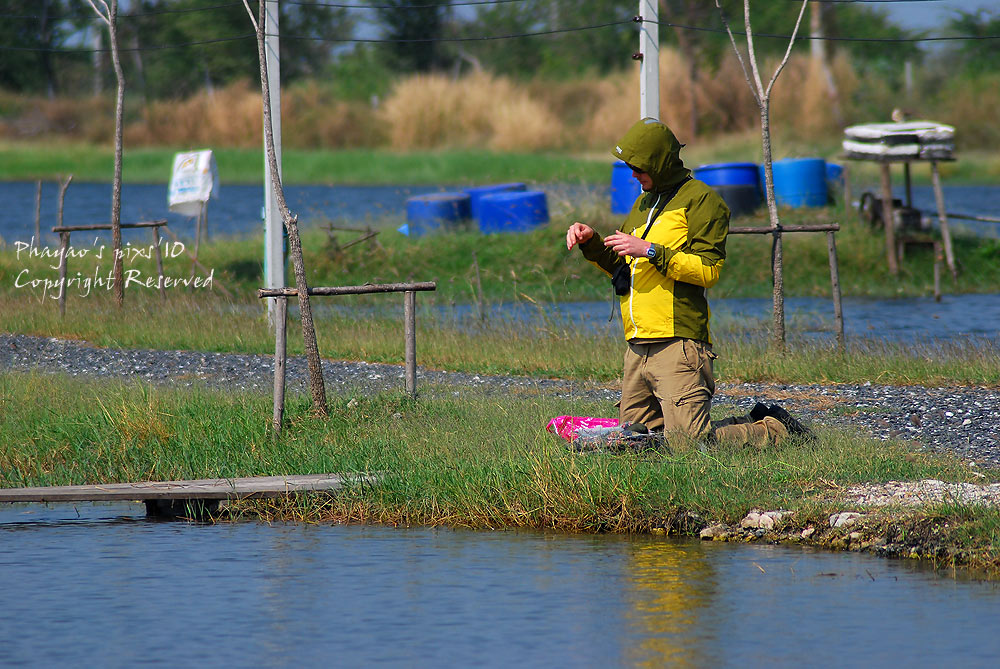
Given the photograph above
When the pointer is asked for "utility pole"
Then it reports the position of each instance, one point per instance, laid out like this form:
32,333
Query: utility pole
649,59
274,260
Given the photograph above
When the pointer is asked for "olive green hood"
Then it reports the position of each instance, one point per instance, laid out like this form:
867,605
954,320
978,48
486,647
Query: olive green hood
652,147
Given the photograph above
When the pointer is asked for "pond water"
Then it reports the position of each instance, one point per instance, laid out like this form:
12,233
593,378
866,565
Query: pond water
98,585
909,319
237,211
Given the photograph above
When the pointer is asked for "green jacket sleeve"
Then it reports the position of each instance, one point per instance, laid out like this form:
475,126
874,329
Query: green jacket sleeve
701,258
596,252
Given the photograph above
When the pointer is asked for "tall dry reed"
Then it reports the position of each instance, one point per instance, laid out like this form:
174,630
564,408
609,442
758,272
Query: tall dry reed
229,116
433,110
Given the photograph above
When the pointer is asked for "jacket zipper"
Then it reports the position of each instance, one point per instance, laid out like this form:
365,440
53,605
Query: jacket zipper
631,292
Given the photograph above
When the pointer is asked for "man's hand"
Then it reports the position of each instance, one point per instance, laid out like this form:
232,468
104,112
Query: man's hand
578,233
627,245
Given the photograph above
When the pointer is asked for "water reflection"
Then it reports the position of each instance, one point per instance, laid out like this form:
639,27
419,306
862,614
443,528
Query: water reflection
96,585
671,587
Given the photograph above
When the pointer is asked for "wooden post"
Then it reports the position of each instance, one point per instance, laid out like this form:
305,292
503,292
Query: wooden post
949,255
937,271
159,263
63,250
838,313
280,356
410,335
197,239
908,184
889,219
204,219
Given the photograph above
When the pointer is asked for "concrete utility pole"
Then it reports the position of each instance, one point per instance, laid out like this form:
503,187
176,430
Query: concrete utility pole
274,261
649,69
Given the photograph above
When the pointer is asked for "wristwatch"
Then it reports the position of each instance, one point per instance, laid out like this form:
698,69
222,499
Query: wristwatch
651,252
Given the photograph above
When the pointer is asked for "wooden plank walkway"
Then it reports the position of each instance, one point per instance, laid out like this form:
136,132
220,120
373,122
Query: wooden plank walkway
202,489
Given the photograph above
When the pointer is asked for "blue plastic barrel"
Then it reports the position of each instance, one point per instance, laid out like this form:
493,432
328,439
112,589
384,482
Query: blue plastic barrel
512,211
476,193
425,213
737,183
728,174
800,182
624,188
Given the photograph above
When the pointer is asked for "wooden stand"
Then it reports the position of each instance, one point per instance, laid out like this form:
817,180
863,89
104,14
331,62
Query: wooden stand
409,291
831,245
64,233
888,214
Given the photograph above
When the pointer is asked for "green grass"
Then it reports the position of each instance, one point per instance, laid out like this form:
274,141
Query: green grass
548,349
25,161
537,267
478,460
350,166
533,269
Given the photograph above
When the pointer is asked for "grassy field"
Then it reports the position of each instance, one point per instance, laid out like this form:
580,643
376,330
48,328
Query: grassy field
534,270
29,161
479,460
469,267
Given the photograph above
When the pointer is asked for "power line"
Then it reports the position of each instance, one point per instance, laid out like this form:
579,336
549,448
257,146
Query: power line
327,39
80,14
825,38
553,31
482,38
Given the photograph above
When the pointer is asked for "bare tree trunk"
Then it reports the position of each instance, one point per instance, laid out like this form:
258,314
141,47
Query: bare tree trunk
116,188
316,385
762,96
777,267
110,16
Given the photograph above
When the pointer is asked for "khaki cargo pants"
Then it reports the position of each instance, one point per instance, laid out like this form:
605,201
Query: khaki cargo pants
669,386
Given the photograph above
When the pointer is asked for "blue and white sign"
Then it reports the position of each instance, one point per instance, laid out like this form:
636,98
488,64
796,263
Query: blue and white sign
193,180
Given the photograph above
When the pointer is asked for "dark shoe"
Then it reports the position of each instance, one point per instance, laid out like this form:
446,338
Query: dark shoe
794,427
758,412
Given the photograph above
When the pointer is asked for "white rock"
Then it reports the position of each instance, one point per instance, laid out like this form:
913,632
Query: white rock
763,519
844,519
808,532
713,531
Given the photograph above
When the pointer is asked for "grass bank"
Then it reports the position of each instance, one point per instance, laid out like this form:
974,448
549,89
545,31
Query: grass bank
549,348
481,461
470,267
534,270
49,160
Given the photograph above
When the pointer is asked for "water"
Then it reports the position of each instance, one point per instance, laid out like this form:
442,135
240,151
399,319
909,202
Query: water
899,319
969,200
98,585
237,211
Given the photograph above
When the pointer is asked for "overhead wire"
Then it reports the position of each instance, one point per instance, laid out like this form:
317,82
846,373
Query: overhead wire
825,38
552,31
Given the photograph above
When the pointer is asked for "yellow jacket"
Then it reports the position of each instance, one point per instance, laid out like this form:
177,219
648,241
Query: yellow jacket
668,292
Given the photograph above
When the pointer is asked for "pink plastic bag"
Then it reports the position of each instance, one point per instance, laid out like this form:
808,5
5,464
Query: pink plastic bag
568,427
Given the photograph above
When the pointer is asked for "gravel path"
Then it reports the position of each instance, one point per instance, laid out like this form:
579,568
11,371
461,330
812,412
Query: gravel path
961,420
